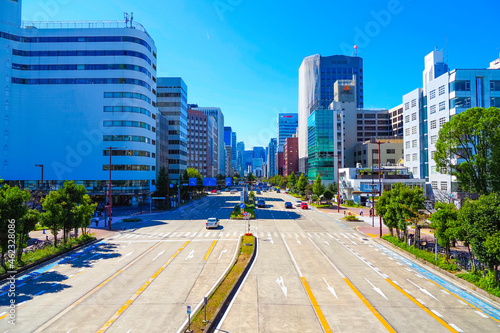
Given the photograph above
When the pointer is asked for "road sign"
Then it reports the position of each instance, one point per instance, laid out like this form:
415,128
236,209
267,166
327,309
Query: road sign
242,205
188,310
245,213
171,185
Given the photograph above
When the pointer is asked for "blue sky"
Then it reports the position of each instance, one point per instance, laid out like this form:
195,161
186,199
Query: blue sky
244,55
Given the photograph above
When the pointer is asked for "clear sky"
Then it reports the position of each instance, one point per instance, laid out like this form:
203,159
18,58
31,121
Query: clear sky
244,55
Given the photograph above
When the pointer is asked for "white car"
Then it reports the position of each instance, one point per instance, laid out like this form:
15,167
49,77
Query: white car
298,203
233,191
212,223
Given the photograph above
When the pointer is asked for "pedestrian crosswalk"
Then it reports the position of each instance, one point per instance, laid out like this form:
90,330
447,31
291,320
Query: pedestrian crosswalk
349,237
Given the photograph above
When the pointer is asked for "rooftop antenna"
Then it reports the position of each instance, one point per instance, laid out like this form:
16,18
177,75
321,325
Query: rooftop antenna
356,49
131,19
125,16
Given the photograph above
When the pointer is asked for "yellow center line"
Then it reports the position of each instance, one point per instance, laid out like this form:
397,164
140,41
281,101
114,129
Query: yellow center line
370,306
210,250
420,305
463,300
81,299
316,307
139,292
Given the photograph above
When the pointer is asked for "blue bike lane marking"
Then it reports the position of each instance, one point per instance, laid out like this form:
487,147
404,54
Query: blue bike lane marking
483,306
39,271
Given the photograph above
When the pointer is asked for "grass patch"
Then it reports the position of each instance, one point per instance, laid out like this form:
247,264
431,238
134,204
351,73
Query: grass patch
249,207
350,218
487,283
39,254
320,205
441,262
132,219
220,293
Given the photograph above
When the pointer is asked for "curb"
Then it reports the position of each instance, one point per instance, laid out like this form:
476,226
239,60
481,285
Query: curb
46,259
464,283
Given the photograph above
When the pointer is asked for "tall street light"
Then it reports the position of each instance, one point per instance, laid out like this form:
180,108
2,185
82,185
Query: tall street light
379,180
41,166
110,197
338,155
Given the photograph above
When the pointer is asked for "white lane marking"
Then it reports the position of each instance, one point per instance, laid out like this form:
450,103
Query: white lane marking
457,328
69,331
308,234
390,258
21,303
331,236
137,236
174,234
481,314
422,290
445,292
270,238
194,234
55,284
159,254
331,289
125,256
190,255
129,330
423,303
377,289
296,236
221,253
437,313
280,283
298,241
207,234
1,314
187,234
462,302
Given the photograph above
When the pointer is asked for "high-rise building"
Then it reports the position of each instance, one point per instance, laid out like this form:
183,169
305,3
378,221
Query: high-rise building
291,156
445,94
69,92
317,78
219,119
372,123
201,143
227,135
272,168
240,150
259,152
230,140
396,116
287,127
234,152
229,167
172,104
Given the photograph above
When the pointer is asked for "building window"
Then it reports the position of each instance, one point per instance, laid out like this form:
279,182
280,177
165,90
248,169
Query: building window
442,105
407,131
413,102
415,171
408,157
407,118
391,151
434,185
375,161
460,102
433,139
414,116
494,85
407,144
414,143
414,130
441,90
432,94
414,157
433,109
433,124
407,105
432,154
495,101
444,186
442,121
460,85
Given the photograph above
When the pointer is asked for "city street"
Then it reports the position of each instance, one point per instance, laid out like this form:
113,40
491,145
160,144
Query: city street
312,273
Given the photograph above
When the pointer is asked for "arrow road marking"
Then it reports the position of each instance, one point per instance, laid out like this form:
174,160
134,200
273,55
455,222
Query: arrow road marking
190,255
326,242
298,241
125,256
330,288
282,285
159,254
423,290
377,289
222,252
270,238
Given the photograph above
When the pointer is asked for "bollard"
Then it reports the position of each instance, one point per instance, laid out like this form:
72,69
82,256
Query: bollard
205,300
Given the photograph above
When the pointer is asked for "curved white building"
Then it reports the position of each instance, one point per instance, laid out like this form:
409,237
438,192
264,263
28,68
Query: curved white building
70,90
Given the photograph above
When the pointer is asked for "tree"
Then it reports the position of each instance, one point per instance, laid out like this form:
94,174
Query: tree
250,178
194,173
328,195
12,210
332,187
302,184
479,220
469,146
292,181
443,222
53,218
318,187
162,184
28,223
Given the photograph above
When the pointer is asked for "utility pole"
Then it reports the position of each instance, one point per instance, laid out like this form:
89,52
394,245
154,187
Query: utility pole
110,193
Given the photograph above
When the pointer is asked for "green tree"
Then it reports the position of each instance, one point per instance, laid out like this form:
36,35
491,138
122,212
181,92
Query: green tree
332,187
162,184
328,195
250,178
28,223
292,181
443,222
479,220
469,145
302,184
53,218
318,187
194,173
13,209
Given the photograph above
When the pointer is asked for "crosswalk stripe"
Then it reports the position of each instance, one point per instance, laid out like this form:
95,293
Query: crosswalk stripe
206,235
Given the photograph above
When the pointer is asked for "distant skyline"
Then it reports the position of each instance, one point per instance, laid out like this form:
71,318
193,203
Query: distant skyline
244,56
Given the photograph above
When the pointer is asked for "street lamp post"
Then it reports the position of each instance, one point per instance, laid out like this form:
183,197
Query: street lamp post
378,142
41,166
110,193
338,181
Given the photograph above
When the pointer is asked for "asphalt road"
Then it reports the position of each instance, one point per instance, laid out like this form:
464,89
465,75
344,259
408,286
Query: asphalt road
313,273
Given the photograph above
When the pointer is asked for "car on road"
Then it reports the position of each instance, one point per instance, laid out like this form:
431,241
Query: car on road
304,205
298,203
227,190
288,204
258,191
233,191
278,191
212,223
213,191
218,192
261,203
